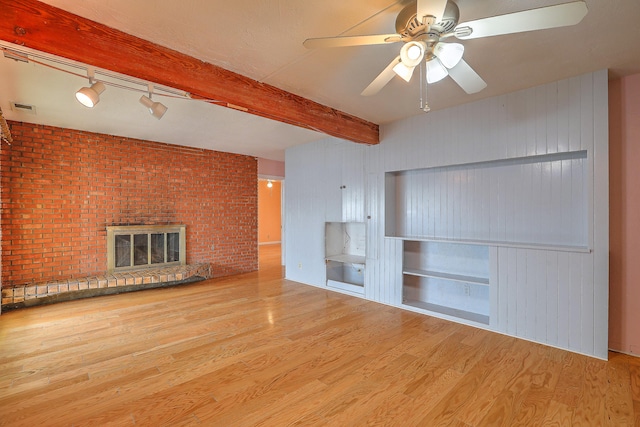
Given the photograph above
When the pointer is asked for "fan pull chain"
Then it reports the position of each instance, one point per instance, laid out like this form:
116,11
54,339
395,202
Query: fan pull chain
424,106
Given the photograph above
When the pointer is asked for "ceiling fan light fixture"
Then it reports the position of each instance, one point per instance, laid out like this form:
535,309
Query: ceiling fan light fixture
435,71
403,71
412,53
449,54
90,96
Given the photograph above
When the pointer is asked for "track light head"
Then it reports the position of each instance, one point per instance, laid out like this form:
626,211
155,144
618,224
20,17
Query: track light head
90,96
156,109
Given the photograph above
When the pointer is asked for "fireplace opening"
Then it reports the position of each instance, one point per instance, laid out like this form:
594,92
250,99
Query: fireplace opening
141,246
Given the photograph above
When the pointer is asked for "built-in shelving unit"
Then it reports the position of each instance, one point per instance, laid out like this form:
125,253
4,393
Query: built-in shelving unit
447,278
345,255
451,218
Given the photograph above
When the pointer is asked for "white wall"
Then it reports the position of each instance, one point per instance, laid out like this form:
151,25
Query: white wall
545,293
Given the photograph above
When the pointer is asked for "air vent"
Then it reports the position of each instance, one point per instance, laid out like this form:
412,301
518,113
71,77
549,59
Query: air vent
23,108
15,56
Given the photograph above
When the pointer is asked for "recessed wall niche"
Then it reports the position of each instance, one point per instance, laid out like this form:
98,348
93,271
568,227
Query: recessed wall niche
533,201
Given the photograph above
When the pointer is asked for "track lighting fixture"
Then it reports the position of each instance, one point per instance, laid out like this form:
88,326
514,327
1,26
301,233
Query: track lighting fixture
156,109
90,96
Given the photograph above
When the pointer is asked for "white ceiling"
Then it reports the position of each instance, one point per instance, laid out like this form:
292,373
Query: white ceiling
262,39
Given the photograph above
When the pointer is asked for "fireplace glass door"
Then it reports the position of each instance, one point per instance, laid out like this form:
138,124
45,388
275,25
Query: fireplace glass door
144,246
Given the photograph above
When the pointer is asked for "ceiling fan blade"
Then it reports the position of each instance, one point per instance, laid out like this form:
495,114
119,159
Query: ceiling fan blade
351,41
434,8
561,15
467,78
383,78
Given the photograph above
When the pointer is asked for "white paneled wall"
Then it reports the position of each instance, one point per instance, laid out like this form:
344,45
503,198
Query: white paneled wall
548,294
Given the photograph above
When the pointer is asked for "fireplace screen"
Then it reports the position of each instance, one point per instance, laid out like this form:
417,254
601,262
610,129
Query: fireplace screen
136,246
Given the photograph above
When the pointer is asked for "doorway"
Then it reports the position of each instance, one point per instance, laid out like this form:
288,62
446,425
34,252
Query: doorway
270,231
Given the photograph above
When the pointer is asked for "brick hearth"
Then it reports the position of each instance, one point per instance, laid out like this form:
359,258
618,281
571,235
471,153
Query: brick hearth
64,290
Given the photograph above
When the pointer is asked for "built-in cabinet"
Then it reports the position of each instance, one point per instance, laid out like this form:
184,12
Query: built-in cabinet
345,255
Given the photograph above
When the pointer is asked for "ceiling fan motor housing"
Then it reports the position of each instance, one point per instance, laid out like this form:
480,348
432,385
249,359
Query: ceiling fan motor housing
409,26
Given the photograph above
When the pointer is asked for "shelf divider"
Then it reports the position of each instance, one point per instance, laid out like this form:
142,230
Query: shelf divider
347,258
467,315
455,277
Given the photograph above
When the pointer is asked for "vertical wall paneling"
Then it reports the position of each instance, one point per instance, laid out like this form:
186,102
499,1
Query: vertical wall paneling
312,199
498,285
564,280
520,173
587,315
561,116
353,191
600,221
575,302
327,169
551,321
496,308
522,294
541,285
507,261
372,217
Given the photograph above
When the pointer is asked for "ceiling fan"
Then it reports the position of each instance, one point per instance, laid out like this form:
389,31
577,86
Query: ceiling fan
422,26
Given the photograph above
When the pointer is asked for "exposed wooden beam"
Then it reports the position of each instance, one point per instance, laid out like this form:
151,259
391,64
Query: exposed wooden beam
52,30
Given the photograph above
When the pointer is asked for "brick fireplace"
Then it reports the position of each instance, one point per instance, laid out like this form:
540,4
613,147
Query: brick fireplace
61,188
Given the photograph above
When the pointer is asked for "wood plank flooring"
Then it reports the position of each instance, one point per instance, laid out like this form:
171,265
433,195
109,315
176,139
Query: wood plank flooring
257,350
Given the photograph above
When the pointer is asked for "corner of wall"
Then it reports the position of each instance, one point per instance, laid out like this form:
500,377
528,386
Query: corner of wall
624,272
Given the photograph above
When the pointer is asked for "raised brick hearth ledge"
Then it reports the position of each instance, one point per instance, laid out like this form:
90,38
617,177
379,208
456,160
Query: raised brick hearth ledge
65,290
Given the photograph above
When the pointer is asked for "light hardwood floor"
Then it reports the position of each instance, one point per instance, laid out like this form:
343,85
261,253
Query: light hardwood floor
259,350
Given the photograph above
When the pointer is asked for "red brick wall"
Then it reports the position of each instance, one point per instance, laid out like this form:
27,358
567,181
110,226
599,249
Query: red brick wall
61,188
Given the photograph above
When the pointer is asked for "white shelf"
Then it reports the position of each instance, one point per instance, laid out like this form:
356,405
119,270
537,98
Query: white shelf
345,286
347,259
461,314
455,277
498,243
